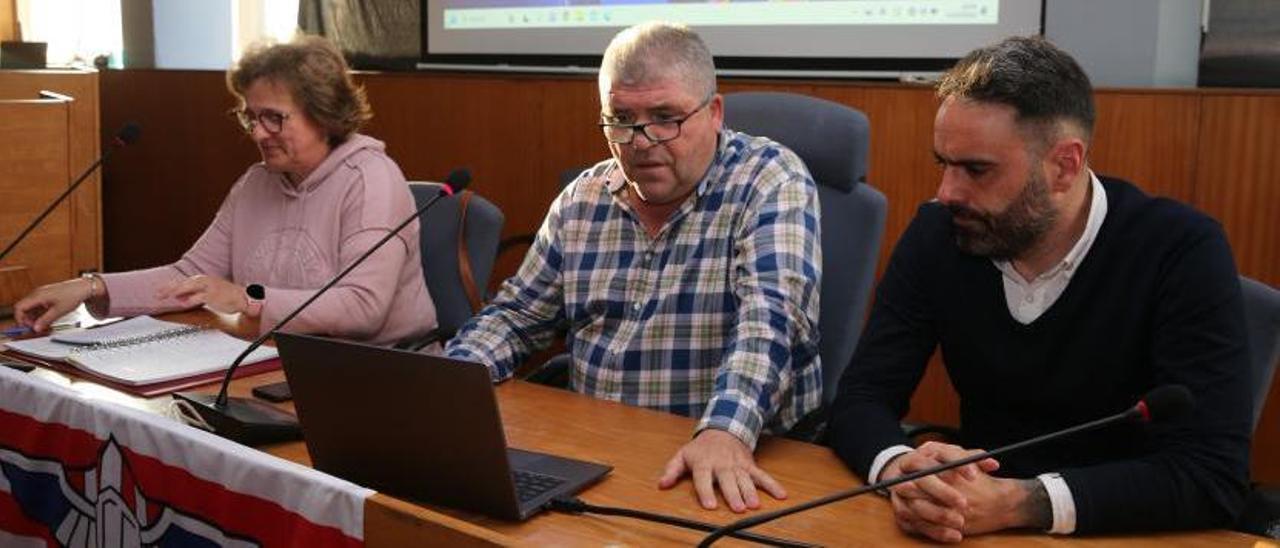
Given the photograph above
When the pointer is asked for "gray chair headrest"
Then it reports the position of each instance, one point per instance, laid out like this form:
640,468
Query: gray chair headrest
832,139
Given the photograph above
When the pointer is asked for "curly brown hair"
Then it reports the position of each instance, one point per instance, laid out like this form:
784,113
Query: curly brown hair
315,72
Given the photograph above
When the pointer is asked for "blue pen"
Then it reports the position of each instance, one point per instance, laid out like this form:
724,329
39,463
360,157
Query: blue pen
16,331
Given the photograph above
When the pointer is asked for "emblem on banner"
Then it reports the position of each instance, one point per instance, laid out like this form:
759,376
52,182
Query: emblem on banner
102,506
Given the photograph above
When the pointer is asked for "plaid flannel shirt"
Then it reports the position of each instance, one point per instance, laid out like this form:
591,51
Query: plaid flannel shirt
716,316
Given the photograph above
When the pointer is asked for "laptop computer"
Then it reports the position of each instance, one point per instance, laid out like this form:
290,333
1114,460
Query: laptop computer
420,427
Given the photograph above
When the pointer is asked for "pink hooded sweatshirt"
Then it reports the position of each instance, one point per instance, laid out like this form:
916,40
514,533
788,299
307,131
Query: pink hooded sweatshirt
292,240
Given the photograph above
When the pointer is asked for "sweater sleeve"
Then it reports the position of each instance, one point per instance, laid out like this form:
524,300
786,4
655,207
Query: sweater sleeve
1194,473
875,390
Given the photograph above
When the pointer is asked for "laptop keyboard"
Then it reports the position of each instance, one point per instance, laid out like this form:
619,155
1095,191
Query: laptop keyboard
529,485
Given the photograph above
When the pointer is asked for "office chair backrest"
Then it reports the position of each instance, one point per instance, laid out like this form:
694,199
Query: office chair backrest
569,175
439,244
833,141
1262,319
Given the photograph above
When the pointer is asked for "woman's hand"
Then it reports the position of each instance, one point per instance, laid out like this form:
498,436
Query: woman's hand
214,293
50,302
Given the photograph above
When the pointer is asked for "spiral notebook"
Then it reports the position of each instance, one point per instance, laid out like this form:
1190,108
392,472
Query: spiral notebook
143,350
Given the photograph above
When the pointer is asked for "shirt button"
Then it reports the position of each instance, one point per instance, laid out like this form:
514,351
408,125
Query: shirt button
635,307
1031,298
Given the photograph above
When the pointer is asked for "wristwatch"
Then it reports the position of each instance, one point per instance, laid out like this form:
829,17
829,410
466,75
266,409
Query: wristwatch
254,294
94,283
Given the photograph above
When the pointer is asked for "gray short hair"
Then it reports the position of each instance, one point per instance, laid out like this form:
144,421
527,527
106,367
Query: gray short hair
651,51
1040,81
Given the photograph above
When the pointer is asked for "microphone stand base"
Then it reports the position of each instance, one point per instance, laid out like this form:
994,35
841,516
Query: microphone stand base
244,420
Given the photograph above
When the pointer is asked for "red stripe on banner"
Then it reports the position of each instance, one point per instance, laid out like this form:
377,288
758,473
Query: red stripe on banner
74,448
13,521
153,513
76,480
236,514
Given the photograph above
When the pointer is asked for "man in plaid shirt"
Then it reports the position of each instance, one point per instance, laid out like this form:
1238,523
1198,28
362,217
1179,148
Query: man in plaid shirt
686,268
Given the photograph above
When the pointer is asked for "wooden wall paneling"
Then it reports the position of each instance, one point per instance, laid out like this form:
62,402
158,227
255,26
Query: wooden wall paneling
741,85
1238,182
568,137
1149,139
1238,178
493,125
433,124
84,148
163,190
35,159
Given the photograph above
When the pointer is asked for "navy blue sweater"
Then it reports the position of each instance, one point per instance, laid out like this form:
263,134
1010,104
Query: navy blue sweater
1155,301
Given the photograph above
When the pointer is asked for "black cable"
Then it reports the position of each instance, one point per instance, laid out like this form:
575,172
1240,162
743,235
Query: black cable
574,505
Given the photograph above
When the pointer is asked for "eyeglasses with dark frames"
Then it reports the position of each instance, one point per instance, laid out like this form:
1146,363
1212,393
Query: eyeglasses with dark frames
272,120
658,131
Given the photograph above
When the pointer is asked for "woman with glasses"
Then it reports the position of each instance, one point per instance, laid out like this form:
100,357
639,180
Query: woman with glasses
322,195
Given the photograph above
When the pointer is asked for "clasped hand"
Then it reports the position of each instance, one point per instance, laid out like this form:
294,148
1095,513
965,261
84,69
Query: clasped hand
945,507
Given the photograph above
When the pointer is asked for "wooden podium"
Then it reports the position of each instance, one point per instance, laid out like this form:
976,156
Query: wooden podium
48,138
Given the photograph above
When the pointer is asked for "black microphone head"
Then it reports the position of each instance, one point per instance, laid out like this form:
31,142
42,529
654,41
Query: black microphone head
458,179
128,134
1166,402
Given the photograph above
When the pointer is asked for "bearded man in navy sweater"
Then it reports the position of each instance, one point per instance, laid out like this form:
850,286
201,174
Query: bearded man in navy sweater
1056,297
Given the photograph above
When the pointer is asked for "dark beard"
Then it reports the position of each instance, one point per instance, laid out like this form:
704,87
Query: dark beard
1005,235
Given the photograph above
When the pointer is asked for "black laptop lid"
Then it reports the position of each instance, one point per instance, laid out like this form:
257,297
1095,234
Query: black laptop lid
417,426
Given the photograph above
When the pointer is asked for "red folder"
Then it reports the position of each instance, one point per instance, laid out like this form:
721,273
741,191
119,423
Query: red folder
147,390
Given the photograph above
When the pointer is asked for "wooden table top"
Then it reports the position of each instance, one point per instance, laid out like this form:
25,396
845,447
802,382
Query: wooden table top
637,443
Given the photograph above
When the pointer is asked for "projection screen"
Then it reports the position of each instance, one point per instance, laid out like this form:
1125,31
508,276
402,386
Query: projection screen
786,37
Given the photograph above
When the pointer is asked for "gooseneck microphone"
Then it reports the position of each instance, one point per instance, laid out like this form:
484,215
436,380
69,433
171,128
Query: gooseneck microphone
250,422
126,136
1160,404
